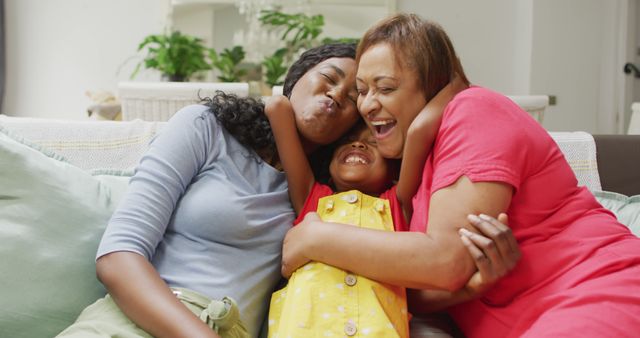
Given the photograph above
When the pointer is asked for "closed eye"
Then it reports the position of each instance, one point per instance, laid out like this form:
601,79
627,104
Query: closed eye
329,78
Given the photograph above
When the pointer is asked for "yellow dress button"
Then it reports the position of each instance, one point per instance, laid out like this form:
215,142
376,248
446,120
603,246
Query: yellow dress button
350,328
350,198
379,206
350,279
329,205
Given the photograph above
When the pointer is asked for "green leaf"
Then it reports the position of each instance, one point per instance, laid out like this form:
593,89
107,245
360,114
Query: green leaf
174,54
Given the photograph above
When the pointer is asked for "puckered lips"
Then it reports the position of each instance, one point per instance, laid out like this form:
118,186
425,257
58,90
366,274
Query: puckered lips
355,156
327,106
382,127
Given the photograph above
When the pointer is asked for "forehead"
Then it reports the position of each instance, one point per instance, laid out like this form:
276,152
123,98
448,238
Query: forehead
344,65
378,60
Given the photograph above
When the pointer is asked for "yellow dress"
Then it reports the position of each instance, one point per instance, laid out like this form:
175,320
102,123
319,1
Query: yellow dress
323,301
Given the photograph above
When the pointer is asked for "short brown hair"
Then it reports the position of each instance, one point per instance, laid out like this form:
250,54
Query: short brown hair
419,44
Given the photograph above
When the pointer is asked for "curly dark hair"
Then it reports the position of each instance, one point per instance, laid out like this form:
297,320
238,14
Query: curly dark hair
314,56
244,118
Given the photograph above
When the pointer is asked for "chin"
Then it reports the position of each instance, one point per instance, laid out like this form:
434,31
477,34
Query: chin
390,152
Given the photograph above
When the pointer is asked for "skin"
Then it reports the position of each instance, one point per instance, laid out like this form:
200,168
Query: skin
387,93
437,259
150,303
370,174
324,104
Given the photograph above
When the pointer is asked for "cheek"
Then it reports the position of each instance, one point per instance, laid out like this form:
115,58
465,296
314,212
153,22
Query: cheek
333,169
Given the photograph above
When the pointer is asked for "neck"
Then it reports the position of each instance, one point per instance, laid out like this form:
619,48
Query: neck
307,146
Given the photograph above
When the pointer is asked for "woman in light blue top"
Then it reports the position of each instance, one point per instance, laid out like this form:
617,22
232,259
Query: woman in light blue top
207,209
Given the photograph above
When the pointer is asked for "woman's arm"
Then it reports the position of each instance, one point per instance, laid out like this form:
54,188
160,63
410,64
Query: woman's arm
435,260
494,256
292,156
145,298
138,225
420,137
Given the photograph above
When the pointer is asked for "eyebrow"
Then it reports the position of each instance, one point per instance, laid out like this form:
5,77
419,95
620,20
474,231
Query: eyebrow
338,70
378,78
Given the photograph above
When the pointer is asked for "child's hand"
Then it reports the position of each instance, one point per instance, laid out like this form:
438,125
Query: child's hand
276,105
494,255
436,105
295,243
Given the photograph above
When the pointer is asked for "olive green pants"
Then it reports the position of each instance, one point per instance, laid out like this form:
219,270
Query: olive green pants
105,319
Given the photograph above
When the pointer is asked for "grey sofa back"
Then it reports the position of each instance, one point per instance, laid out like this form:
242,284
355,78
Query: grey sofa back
618,159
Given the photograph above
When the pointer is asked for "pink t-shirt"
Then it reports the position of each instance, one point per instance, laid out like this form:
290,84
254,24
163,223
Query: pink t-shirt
560,227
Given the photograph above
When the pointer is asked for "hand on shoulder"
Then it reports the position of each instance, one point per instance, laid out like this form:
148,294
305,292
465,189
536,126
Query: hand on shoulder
276,104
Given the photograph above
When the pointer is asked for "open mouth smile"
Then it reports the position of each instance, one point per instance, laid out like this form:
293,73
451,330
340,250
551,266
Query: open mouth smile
383,127
356,157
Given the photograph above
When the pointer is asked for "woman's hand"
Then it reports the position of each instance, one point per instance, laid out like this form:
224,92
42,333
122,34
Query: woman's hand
296,242
495,252
278,104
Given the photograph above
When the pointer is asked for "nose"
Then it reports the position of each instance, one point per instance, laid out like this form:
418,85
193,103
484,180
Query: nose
337,93
368,105
358,145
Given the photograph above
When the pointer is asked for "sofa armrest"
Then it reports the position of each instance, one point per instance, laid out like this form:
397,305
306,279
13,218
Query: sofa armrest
618,159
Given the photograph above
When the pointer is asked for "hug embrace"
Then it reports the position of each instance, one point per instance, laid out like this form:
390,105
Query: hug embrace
400,174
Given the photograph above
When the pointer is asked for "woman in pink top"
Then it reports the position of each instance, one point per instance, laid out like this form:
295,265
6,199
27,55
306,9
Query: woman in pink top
580,268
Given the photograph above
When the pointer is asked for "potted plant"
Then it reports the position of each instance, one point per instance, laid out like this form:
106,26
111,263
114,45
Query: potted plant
299,32
228,62
177,56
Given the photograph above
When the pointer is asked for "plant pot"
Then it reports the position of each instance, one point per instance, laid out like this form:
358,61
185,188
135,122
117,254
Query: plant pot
174,78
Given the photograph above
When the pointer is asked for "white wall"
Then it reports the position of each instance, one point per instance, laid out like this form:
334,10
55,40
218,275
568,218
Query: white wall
58,49
548,47
567,44
492,38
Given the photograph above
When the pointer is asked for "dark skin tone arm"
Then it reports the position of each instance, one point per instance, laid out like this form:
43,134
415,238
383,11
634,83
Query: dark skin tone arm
494,255
420,138
489,264
146,299
292,155
435,260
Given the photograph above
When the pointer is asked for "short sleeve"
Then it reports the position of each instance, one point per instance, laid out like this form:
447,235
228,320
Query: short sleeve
483,136
318,191
399,222
175,157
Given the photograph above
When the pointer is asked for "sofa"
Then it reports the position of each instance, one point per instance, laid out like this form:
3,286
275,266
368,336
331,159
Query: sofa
61,180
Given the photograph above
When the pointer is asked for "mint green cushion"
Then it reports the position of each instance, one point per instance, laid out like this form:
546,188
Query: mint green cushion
626,208
52,216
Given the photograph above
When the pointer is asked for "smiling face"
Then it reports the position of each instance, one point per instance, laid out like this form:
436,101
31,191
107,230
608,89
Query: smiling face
324,101
357,164
389,97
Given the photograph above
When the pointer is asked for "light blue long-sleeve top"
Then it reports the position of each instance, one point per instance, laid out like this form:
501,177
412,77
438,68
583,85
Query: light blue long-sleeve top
207,212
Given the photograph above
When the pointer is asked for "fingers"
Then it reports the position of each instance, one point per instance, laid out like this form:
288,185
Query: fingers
513,244
481,261
492,262
501,235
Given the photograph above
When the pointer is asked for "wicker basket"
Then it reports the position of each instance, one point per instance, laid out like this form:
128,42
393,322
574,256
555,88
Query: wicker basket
158,101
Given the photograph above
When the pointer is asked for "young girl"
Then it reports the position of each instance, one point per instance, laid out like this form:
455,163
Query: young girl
321,299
